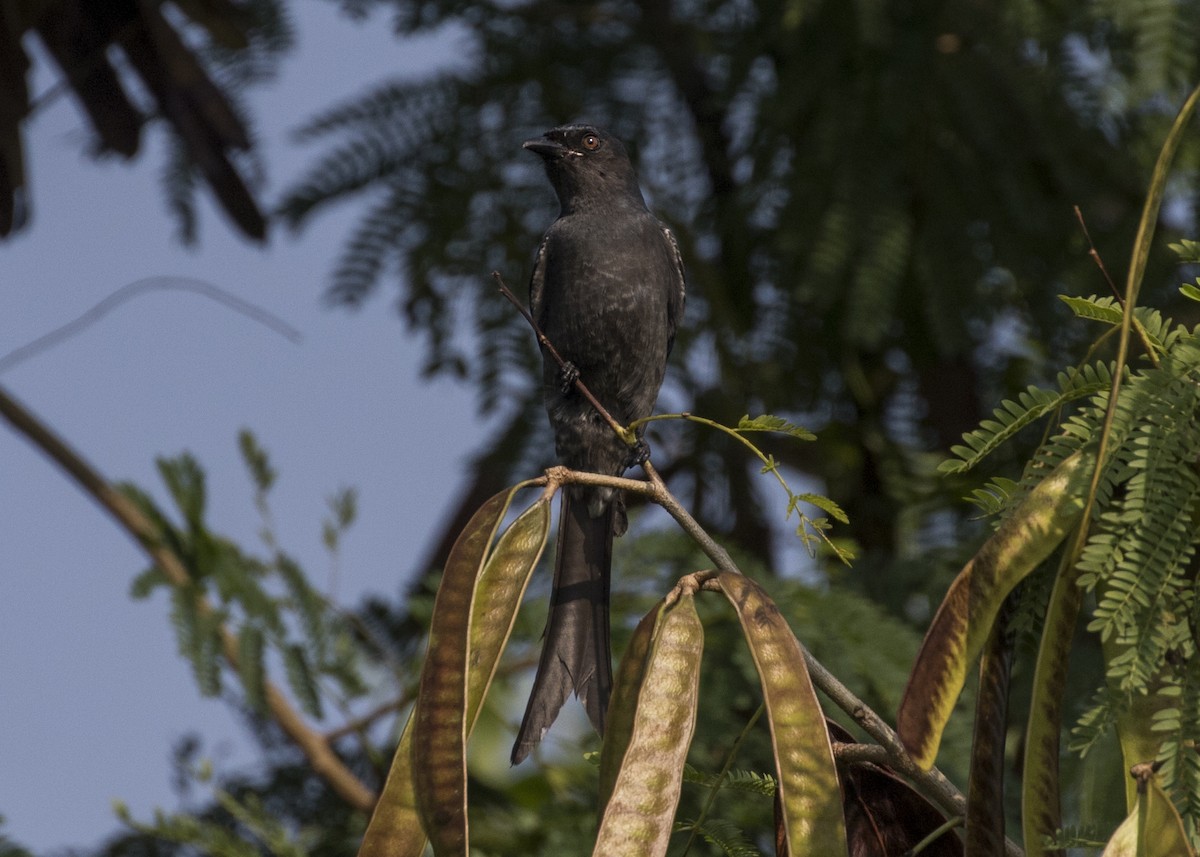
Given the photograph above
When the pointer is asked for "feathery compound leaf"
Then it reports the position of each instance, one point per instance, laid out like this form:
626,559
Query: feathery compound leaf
185,480
195,638
768,422
146,582
1158,331
257,462
821,502
1031,405
301,681
737,781
994,496
726,836
251,646
1187,250
1094,309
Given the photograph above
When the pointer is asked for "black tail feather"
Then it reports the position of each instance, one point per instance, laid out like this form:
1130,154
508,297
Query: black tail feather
576,651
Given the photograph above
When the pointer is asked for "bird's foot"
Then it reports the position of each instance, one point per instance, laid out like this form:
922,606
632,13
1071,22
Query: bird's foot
639,454
567,376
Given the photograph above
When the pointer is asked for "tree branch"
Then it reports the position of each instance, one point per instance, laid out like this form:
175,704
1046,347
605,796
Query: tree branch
932,784
129,517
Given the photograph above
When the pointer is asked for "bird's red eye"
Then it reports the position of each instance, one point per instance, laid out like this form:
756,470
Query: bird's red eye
591,142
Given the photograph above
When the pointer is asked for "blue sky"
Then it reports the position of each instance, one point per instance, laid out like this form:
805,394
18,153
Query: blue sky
92,693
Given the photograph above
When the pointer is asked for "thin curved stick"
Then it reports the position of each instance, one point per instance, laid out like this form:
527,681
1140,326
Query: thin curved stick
135,289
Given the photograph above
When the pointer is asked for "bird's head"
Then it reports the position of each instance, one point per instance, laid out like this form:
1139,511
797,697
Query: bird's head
587,166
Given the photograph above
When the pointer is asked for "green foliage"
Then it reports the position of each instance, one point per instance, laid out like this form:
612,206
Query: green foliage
744,781
814,160
724,835
258,463
240,606
255,830
8,848
771,423
1139,558
343,509
813,532
1030,406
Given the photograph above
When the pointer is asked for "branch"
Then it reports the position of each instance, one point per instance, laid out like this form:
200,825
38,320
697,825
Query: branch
315,747
136,289
545,343
932,784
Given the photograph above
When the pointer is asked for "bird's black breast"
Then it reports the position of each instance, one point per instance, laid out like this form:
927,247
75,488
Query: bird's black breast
607,285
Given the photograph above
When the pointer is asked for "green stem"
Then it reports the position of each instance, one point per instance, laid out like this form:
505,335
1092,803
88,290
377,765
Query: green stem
716,786
769,464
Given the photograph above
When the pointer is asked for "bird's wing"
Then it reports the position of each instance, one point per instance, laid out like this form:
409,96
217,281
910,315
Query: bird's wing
675,299
537,281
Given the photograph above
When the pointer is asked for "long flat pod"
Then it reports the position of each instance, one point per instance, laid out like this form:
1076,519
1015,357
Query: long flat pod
808,783
622,707
1041,810
443,711
497,580
962,623
639,813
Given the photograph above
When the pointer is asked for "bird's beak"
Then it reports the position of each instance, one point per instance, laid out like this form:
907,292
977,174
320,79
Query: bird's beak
545,147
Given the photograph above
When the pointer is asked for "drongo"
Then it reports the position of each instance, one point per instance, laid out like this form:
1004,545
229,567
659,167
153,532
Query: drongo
607,291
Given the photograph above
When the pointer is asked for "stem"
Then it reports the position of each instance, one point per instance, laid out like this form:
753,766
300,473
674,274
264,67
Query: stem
769,464
546,344
716,786
936,834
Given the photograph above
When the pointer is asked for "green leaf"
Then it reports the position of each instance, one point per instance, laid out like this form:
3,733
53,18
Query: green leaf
185,481
146,582
825,505
768,422
301,681
1106,311
257,461
251,670
1187,250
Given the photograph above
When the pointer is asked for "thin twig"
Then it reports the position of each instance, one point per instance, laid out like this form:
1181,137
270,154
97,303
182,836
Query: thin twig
1095,254
545,342
720,780
932,783
134,289
325,763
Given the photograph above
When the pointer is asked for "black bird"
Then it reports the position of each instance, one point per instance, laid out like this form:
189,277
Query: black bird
607,291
